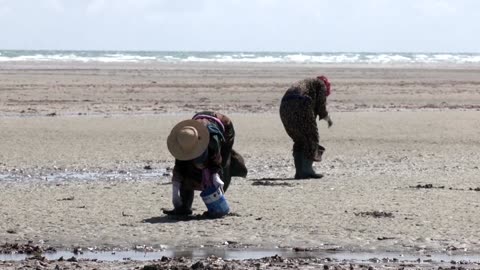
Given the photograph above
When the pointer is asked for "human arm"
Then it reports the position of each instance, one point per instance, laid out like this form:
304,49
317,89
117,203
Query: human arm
321,103
214,163
322,110
182,198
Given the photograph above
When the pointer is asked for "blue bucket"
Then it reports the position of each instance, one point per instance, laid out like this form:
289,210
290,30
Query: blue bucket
215,201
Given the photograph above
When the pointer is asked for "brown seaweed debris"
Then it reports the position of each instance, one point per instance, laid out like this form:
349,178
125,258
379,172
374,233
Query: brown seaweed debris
271,183
71,198
29,248
427,186
375,214
302,249
382,238
273,262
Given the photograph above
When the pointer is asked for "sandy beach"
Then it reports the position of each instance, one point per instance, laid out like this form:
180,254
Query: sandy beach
83,158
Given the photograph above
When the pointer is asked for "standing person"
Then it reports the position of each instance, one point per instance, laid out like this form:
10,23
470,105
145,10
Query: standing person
202,147
301,105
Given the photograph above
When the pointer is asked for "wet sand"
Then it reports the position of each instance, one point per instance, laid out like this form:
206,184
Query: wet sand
401,166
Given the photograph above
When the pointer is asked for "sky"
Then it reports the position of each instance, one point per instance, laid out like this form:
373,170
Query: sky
242,25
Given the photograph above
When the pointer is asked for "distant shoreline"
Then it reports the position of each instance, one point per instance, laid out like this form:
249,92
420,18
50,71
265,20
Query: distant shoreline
176,57
77,65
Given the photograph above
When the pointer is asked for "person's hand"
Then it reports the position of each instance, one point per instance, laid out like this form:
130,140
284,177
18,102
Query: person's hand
329,121
217,181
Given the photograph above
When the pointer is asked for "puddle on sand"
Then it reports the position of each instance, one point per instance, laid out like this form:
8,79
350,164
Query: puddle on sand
243,254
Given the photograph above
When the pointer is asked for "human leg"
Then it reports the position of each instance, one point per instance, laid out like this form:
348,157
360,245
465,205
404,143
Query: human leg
182,194
299,121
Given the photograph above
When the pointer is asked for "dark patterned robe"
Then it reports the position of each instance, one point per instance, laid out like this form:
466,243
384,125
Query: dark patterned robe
301,105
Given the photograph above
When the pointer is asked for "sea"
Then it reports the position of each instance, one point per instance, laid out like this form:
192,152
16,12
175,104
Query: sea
238,57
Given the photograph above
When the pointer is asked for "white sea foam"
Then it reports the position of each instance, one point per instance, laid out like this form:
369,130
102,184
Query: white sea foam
240,57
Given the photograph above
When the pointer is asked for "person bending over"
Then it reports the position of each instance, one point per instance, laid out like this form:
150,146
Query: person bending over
202,147
302,103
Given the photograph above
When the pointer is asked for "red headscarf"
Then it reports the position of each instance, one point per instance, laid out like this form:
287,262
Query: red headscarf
327,84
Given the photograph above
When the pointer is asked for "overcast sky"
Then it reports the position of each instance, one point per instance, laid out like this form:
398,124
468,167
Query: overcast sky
242,25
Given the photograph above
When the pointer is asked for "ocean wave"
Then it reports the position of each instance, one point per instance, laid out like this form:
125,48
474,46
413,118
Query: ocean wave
239,57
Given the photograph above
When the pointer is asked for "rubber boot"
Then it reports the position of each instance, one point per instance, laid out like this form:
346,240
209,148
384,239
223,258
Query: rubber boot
298,159
187,200
186,208
309,171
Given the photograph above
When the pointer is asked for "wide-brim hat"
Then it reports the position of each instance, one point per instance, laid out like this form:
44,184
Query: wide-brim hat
188,140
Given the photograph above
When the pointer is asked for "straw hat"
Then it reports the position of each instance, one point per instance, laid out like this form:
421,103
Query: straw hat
188,140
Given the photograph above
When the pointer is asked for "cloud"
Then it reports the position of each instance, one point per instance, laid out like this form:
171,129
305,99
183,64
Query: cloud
140,7
436,8
54,5
5,11
318,25
95,6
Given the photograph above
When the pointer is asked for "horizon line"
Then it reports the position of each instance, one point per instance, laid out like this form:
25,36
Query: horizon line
236,51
